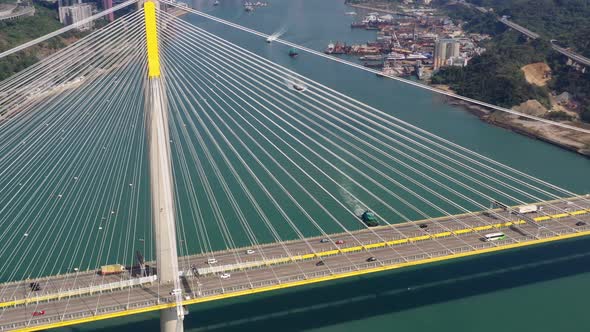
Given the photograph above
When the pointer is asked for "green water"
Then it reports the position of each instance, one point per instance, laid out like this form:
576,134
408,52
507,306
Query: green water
540,289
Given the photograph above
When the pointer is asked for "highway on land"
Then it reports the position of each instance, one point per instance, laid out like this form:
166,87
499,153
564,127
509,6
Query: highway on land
533,35
73,298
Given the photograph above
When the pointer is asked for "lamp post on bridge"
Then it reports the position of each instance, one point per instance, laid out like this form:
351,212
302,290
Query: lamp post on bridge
161,182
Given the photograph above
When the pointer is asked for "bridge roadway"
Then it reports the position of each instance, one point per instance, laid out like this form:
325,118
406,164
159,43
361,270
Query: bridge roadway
66,299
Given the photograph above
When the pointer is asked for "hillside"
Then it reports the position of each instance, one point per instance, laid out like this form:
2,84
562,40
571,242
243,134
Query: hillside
563,20
496,76
17,32
537,73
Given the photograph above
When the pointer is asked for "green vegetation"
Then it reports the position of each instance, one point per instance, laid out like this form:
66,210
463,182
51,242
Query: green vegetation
566,78
475,21
559,116
495,76
586,114
564,20
17,32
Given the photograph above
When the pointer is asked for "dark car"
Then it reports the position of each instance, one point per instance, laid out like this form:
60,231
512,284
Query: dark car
371,259
580,223
324,240
34,286
320,263
423,226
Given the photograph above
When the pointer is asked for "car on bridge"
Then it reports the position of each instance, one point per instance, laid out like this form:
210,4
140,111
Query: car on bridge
324,240
340,242
225,276
39,313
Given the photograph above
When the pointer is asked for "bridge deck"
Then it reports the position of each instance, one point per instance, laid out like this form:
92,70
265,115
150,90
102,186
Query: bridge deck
67,299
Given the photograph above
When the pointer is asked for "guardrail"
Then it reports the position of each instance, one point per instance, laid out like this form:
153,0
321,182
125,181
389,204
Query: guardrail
76,292
146,304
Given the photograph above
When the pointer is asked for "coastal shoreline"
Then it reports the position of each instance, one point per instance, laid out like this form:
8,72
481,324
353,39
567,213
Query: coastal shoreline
550,135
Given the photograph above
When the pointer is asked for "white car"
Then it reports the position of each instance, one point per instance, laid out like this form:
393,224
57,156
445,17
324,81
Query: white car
211,261
176,291
250,252
225,276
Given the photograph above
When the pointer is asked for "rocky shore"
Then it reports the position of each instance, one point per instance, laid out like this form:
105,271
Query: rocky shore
569,139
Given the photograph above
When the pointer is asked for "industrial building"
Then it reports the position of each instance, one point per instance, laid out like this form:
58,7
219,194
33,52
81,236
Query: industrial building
445,49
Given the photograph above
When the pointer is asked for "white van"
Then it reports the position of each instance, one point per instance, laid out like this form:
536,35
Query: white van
211,261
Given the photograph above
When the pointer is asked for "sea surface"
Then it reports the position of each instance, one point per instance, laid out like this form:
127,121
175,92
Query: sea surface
543,288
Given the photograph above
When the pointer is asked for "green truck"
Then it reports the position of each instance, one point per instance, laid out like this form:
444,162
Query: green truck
369,219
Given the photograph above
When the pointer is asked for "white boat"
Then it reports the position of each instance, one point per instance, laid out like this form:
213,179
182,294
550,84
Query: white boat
415,56
395,56
350,13
330,48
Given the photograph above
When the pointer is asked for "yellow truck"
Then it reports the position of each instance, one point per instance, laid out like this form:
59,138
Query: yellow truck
111,269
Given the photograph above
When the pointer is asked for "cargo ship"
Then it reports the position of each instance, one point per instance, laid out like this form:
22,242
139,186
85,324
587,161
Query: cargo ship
372,58
393,56
369,219
416,56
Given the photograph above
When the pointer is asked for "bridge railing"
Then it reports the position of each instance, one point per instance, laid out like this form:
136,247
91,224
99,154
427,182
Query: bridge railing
282,280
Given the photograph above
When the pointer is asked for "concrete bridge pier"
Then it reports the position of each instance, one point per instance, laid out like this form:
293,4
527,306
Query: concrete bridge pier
169,321
161,180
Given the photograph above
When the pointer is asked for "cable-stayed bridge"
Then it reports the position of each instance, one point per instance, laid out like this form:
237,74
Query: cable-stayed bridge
207,171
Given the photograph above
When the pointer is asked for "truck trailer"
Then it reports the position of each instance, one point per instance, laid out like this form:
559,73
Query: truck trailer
111,269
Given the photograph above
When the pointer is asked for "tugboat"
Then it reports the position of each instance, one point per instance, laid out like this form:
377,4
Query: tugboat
369,219
293,53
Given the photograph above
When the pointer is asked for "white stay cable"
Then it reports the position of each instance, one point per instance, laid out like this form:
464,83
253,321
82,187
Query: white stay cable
352,64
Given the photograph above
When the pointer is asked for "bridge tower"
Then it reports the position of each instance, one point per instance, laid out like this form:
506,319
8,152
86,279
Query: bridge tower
161,181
